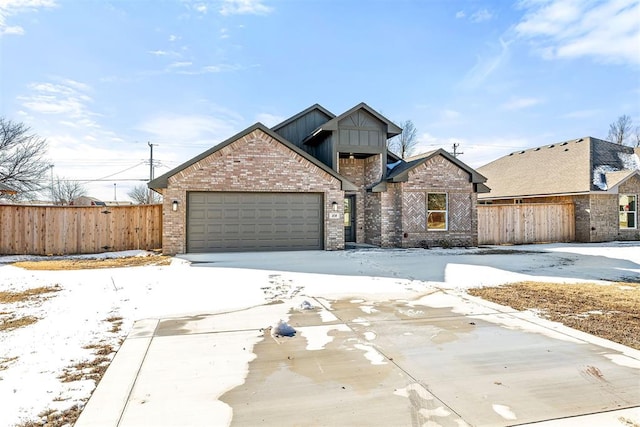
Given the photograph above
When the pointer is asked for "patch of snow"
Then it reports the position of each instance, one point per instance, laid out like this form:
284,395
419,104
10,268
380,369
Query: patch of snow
504,411
438,412
599,177
390,166
370,336
630,161
368,309
622,360
282,329
318,336
327,316
306,305
371,354
422,392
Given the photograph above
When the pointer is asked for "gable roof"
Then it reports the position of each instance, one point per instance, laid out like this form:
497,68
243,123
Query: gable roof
163,180
331,125
291,119
400,173
577,166
6,189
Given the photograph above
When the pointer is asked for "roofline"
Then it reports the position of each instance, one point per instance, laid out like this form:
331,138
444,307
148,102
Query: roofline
536,196
476,177
302,113
163,180
392,128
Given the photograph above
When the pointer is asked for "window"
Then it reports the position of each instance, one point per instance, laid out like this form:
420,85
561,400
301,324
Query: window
628,211
436,211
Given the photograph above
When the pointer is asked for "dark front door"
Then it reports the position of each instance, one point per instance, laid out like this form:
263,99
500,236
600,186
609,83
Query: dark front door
350,218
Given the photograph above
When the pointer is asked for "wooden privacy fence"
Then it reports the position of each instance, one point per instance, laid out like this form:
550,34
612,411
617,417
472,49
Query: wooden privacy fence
526,223
63,230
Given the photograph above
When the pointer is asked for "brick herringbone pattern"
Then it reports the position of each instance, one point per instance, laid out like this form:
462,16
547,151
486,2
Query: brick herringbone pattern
460,212
414,211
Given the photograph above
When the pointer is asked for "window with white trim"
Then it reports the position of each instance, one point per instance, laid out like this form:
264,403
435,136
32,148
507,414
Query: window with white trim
437,206
628,211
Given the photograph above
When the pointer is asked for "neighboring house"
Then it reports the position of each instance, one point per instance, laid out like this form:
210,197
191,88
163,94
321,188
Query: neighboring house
316,181
601,180
87,201
5,189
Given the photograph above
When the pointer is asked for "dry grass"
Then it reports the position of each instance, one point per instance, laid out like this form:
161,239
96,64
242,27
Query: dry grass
11,323
608,311
6,361
86,264
52,418
8,297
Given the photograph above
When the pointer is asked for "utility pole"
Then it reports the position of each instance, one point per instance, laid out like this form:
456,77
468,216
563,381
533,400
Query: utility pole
150,170
456,153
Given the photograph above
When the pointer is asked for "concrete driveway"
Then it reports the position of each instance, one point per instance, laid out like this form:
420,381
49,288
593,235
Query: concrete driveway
428,356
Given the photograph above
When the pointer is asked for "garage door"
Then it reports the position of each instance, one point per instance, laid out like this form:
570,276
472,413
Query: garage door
222,222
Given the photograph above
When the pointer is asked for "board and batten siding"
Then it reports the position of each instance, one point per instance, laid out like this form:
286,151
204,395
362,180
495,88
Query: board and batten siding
66,230
526,223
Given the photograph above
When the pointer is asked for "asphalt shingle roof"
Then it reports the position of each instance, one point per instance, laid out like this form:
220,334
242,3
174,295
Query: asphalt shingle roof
570,167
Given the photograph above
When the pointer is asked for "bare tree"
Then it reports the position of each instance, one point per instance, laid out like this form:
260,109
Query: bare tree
403,145
22,163
65,191
636,136
141,195
620,130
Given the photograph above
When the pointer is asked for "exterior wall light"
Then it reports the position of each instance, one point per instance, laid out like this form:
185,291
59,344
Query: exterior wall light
334,205
174,205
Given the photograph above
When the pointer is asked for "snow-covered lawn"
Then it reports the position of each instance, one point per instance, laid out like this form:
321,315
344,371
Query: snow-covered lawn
91,310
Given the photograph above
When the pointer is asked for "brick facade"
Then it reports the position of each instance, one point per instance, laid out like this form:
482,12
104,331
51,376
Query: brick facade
397,216
439,175
253,163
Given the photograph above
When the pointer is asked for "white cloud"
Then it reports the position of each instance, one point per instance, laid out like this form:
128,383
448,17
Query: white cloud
485,66
481,16
217,68
200,7
173,38
199,129
14,7
607,32
244,7
269,119
582,114
520,103
180,64
450,114
460,14
67,97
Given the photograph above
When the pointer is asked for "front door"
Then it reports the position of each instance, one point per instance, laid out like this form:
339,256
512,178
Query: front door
350,218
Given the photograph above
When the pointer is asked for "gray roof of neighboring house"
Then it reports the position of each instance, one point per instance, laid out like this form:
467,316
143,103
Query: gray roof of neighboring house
162,181
6,189
577,166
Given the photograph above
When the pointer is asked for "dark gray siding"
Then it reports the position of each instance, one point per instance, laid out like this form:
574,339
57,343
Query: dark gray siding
361,133
324,151
302,127
230,221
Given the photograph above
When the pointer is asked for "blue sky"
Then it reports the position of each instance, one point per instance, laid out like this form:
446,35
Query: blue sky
99,79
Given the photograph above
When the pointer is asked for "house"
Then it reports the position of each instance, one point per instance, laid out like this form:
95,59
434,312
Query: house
316,181
87,201
5,189
601,179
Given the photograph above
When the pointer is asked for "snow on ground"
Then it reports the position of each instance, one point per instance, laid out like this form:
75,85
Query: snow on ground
76,315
